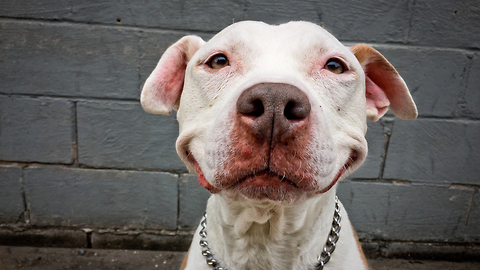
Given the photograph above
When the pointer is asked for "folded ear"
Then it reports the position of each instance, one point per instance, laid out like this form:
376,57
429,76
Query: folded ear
162,89
383,86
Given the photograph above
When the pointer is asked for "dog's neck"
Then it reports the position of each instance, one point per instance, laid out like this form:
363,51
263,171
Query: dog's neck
267,235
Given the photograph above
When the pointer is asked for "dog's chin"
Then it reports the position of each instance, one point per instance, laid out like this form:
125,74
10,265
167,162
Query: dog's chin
266,186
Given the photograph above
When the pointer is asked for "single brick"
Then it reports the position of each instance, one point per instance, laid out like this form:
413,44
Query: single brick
123,135
429,72
446,24
64,59
36,129
165,14
101,198
11,201
471,100
408,212
193,202
344,20
433,150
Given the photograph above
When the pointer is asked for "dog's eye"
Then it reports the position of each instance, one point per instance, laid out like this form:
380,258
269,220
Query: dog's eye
218,61
335,66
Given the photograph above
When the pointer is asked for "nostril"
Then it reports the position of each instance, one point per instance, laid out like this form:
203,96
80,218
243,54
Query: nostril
295,110
253,107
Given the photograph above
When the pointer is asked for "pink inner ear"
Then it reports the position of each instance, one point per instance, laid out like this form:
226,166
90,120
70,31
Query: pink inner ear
173,76
377,100
163,88
384,86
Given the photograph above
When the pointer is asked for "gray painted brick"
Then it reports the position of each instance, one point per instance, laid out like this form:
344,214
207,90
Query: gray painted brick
431,150
446,23
122,135
68,60
36,129
193,201
469,104
11,202
376,141
408,212
192,14
373,21
434,76
101,198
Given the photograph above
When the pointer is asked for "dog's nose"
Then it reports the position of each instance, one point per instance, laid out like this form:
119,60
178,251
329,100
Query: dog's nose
273,110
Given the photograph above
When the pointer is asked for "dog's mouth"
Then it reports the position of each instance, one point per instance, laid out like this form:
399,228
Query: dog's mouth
264,178
266,184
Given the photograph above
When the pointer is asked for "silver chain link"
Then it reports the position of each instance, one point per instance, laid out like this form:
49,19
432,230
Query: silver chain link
332,238
205,248
323,259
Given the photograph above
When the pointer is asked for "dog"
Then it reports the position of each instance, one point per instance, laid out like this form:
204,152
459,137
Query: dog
271,117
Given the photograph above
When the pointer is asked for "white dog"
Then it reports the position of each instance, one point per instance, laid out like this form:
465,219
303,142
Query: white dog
271,117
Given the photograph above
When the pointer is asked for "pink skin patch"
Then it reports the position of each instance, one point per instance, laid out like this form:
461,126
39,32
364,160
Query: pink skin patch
377,101
282,162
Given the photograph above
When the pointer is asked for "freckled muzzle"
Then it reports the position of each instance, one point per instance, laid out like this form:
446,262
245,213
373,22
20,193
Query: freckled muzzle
270,135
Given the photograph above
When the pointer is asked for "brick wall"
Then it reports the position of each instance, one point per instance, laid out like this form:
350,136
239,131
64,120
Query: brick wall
82,165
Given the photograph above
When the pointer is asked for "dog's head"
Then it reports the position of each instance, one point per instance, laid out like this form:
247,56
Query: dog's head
273,112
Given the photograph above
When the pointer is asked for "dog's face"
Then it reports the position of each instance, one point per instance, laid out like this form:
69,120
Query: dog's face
273,112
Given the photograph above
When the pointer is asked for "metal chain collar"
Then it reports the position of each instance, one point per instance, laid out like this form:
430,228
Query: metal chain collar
323,259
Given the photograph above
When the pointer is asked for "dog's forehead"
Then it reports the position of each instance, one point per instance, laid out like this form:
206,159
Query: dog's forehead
289,36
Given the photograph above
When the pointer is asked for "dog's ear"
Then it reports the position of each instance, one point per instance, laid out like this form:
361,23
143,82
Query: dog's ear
383,86
162,89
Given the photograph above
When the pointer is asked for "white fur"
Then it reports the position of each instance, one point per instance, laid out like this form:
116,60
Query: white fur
282,235
268,236
245,234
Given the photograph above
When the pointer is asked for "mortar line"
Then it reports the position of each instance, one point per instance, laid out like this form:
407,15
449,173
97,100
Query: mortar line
388,133
26,210
87,167
469,208
178,201
410,22
71,98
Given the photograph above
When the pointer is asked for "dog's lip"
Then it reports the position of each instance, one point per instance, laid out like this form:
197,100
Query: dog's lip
283,180
280,178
